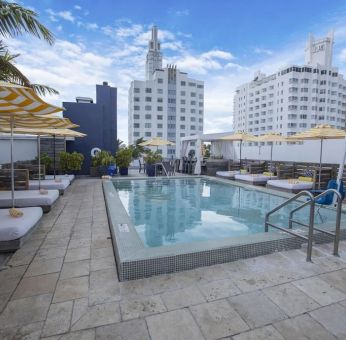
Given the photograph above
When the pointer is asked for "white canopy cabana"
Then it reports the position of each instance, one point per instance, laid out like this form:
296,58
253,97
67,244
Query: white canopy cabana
218,147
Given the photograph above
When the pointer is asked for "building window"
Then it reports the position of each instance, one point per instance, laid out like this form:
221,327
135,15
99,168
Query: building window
182,110
182,93
137,90
193,94
147,125
193,102
148,107
192,84
159,108
193,127
182,127
136,125
159,100
159,117
159,91
159,126
136,134
182,101
160,80
171,100
136,99
183,83
136,108
147,134
135,116
159,134
182,134
193,111
172,92
147,90
148,99
182,119
147,116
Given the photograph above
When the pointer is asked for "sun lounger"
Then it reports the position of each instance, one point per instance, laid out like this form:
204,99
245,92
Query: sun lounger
69,177
50,184
29,198
226,174
15,230
254,179
290,185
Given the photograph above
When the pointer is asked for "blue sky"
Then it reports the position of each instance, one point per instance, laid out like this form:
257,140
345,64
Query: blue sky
221,42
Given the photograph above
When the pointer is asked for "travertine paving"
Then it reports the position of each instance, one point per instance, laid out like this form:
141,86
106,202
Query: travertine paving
63,285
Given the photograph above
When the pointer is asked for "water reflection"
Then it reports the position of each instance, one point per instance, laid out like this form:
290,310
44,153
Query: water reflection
169,211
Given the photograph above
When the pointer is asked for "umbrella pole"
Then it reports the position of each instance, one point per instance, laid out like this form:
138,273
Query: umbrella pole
240,153
12,165
39,160
54,154
319,174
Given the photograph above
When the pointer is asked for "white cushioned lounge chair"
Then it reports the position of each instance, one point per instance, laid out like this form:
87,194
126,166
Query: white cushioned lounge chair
255,179
15,230
50,184
226,174
290,185
71,177
29,198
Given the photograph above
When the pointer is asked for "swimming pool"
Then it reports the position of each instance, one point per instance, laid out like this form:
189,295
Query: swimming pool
164,225
171,211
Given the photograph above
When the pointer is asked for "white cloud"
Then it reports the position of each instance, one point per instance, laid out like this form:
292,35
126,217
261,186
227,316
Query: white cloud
258,50
55,16
77,7
182,13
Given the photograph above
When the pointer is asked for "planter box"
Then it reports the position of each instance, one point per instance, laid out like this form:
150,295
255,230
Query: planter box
150,170
123,171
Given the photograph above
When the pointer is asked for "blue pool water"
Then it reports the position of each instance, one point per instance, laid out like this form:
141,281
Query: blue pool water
170,211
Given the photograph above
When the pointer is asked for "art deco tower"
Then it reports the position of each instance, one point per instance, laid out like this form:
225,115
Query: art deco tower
154,56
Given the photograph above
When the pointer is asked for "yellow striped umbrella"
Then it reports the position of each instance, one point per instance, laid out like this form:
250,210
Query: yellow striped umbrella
16,99
240,136
320,132
20,106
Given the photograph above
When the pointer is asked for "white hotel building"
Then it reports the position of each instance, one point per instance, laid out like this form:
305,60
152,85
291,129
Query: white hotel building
295,98
167,104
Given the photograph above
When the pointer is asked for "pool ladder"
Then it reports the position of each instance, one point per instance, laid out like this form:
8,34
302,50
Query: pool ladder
311,202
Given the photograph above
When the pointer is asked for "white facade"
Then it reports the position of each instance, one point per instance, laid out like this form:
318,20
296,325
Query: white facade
295,98
168,104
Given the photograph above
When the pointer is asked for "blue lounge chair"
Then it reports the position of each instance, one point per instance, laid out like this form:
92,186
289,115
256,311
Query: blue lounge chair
329,198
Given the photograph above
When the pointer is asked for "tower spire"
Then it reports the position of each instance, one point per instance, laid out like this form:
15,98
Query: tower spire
154,55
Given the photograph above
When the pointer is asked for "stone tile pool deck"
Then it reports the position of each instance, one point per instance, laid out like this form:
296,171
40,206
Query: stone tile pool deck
63,284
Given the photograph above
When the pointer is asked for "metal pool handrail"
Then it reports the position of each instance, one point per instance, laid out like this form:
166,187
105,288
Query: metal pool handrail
310,202
335,234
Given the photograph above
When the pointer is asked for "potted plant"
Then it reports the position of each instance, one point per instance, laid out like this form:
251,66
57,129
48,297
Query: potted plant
100,163
123,159
64,161
46,161
75,161
150,159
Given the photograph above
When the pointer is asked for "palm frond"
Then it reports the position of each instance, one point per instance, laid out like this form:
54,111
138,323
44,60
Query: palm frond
43,90
9,72
15,19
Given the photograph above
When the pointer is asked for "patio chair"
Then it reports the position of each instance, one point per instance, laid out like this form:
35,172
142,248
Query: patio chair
328,199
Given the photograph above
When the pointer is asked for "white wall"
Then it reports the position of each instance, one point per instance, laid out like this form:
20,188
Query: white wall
307,152
24,148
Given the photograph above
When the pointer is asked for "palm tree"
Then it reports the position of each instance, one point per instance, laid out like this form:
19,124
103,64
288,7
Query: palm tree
15,20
